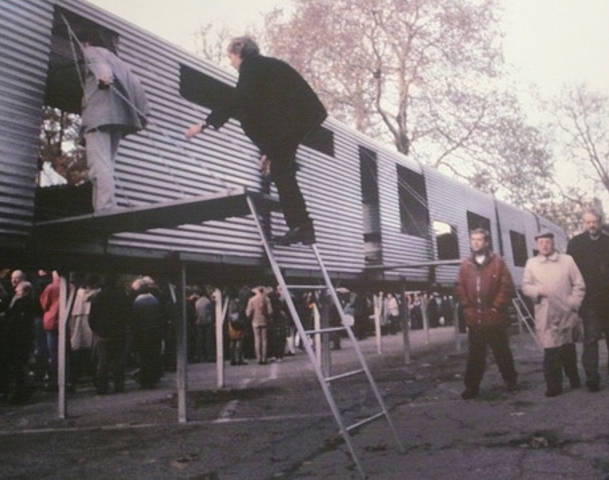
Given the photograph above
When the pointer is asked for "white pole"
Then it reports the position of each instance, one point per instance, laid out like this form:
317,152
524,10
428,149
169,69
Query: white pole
378,311
61,348
220,316
424,303
181,348
317,326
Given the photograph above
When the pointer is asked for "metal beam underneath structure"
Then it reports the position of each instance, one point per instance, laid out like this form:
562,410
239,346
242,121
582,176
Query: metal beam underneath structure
192,210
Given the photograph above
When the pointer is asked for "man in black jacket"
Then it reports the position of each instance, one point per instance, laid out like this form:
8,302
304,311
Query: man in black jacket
277,108
590,250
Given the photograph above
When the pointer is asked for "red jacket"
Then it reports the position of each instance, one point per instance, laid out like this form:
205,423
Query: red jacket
49,301
485,291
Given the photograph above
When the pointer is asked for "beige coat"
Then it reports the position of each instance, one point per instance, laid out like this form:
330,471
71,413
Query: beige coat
259,308
556,319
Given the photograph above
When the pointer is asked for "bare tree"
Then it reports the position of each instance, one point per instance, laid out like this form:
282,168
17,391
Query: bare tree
422,74
582,121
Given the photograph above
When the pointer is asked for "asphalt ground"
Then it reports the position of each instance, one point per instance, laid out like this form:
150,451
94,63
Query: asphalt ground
272,422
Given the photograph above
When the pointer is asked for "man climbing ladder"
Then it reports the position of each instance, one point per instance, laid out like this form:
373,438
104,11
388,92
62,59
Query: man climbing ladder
277,109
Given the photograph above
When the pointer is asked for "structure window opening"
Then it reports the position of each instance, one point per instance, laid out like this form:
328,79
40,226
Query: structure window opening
320,139
370,205
199,88
478,221
447,241
519,248
412,195
62,172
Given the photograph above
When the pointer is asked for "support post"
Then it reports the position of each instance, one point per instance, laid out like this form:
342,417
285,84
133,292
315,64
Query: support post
220,315
181,349
405,320
317,336
424,304
62,409
456,325
378,311
326,357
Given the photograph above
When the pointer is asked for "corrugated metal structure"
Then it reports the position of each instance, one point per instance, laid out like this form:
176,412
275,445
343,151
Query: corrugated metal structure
397,224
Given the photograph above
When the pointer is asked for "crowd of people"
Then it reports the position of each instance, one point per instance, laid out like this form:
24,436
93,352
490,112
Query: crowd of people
120,324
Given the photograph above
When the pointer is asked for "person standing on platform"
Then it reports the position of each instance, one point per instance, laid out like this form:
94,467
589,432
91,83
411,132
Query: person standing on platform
277,109
485,289
553,281
49,302
113,105
260,309
590,250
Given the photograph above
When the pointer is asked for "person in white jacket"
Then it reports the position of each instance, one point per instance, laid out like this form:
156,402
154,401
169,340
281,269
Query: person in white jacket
553,281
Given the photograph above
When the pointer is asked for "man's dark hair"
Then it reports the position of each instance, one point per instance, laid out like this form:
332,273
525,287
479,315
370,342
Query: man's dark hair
481,231
244,47
98,38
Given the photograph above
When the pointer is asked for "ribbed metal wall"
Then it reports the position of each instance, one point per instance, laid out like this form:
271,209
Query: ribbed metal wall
157,165
24,48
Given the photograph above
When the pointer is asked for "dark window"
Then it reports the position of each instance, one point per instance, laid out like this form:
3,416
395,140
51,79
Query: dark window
202,89
368,175
63,88
478,221
370,205
519,248
320,139
447,241
412,194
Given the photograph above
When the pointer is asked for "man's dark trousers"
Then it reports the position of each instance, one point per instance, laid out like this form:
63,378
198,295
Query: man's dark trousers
596,322
554,361
283,173
496,337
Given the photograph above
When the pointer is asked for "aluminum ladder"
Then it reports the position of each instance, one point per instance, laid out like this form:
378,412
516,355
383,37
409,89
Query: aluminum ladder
524,316
306,335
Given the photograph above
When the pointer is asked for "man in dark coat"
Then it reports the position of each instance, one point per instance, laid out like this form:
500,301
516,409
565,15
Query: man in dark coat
277,108
590,250
108,319
18,331
485,288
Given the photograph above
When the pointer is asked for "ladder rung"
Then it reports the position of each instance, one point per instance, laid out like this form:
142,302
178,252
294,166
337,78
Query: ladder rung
307,287
344,375
364,421
325,330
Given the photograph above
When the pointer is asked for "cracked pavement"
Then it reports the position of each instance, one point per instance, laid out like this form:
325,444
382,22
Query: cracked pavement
272,422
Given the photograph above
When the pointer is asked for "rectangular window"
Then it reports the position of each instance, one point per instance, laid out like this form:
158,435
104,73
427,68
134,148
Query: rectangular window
63,89
447,241
519,248
202,89
320,139
412,195
370,205
478,221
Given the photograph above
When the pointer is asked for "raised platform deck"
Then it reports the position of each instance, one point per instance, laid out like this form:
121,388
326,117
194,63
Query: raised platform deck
192,210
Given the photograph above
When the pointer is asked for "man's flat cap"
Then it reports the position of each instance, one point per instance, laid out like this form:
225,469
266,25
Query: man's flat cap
545,234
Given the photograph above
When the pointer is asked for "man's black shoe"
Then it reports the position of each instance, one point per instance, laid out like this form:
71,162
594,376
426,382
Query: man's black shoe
468,394
302,234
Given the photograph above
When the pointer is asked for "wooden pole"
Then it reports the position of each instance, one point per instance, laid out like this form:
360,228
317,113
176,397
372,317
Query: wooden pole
405,320
424,304
181,349
378,311
220,317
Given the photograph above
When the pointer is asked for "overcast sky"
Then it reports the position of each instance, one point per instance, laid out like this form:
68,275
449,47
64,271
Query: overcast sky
548,42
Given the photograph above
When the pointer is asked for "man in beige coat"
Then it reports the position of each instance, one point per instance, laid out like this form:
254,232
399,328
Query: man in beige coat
260,310
555,284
